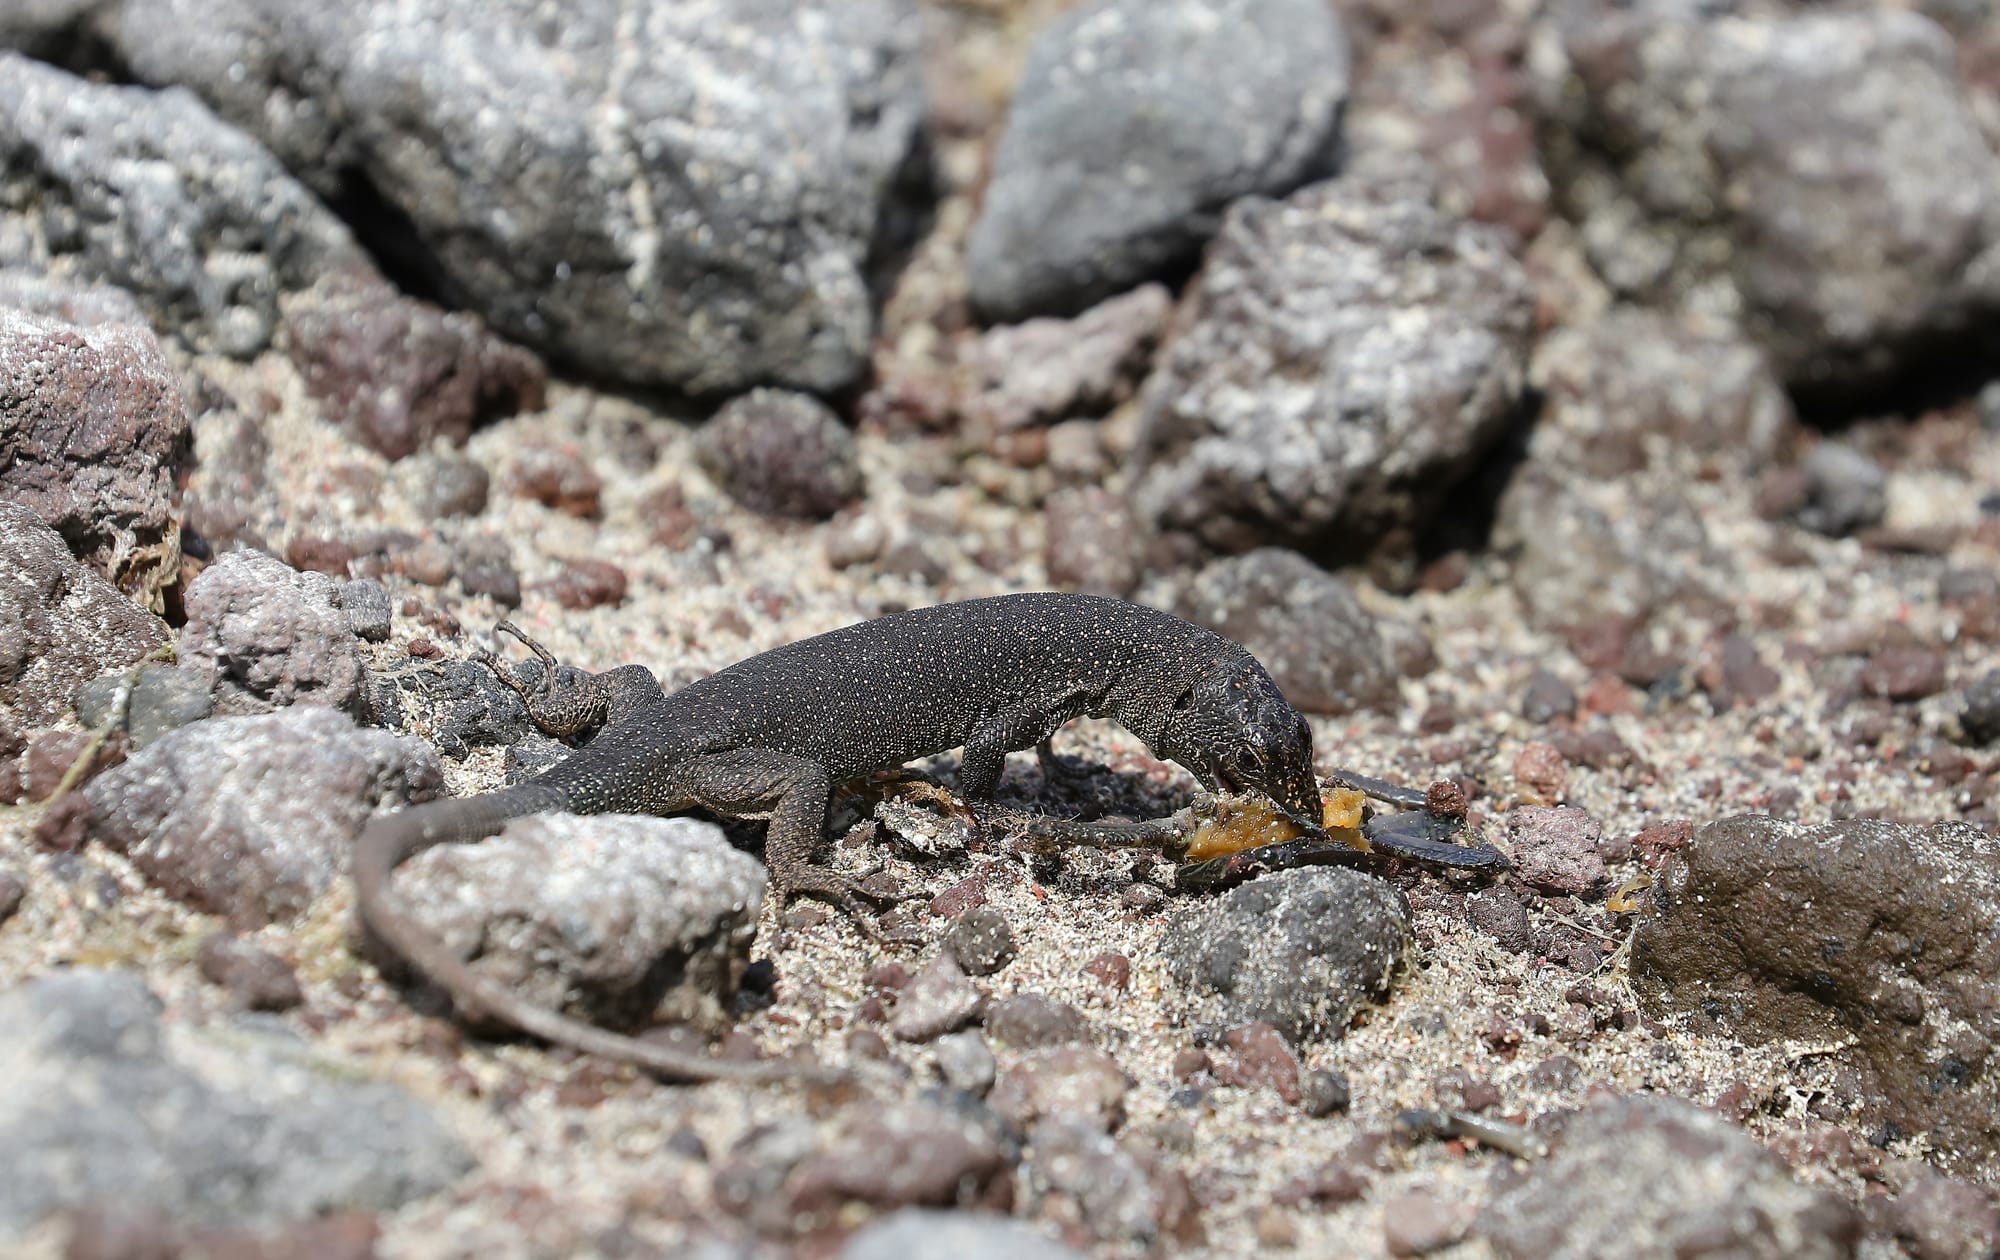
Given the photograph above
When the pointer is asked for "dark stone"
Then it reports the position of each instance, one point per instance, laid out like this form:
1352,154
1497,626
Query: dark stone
782,454
1301,950
1548,698
1980,718
1324,651
366,603
447,484
981,941
1133,124
1859,929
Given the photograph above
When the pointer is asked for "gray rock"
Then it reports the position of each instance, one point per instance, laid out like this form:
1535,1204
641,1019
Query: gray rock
1321,647
961,1235
1639,389
1658,1179
1860,930
252,818
366,603
1820,176
68,301
459,705
1583,551
965,1062
1046,370
782,454
94,437
1845,490
1111,1194
160,700
266,636
1094,543
150,191
1134,124
1347,354
60,623
1301,950
939,1000
618,919
667,193
224,1127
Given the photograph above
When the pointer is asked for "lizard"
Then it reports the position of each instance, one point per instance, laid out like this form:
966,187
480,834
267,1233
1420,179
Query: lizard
771,736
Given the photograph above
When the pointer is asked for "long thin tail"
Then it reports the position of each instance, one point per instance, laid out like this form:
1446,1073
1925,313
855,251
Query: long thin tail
389,841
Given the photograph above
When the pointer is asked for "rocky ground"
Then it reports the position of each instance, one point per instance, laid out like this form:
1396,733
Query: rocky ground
1583,403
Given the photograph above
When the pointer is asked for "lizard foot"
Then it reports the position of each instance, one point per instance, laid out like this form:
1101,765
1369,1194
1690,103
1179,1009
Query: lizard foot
843,891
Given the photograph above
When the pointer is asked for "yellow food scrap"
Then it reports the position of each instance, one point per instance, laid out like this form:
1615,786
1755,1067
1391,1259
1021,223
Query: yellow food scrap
1343,809
1247,822
1626,899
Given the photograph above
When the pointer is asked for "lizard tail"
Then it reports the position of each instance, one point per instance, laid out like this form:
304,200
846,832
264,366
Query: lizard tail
389,841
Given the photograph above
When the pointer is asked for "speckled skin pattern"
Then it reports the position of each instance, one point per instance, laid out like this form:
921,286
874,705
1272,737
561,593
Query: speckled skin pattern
770,737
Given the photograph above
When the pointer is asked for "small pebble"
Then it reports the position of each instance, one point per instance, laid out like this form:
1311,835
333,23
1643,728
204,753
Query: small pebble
938,1001
1542,774
1030,1020
1548,698
1114,971
981,941
965,1062
1418,1222
257,979
1323,1092
13,889
1981,718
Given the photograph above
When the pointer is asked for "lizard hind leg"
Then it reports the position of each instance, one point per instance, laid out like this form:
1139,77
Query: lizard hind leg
792,792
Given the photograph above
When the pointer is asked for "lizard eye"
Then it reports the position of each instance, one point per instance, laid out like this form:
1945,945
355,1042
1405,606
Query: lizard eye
1249,761
1184,701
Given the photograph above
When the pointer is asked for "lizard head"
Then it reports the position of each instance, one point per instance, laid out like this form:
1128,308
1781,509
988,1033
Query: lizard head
1236,731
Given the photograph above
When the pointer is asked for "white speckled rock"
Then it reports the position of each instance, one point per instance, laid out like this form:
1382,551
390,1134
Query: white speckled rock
617,919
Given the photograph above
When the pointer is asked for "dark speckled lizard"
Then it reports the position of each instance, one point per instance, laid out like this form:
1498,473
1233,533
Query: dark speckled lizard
771,736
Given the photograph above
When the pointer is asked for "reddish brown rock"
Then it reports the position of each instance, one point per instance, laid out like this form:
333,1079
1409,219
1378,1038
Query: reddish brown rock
399,373
60,623
93,440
